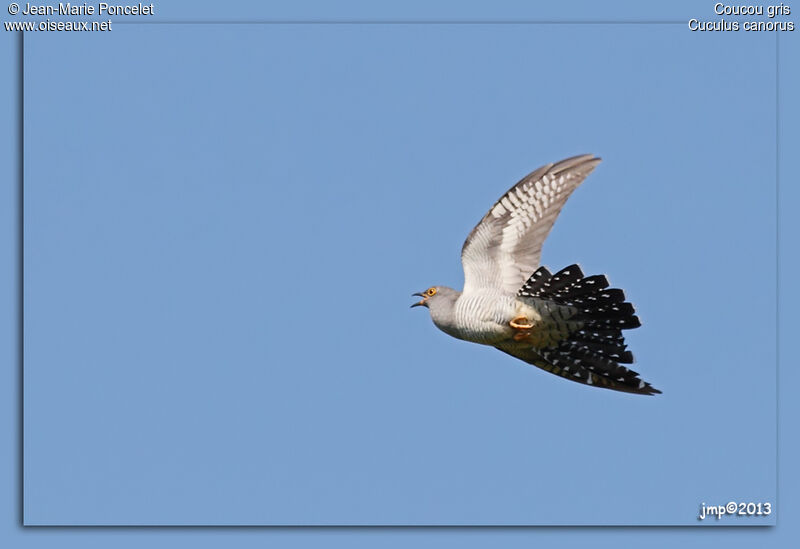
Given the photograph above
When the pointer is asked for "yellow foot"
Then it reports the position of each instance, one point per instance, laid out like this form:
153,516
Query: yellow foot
521,323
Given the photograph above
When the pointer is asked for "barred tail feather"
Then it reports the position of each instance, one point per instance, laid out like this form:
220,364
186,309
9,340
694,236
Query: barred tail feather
594,353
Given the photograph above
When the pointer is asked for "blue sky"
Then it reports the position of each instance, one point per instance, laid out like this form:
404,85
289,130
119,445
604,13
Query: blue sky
220,249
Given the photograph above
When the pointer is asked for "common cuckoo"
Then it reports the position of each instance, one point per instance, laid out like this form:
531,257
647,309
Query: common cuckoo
565,323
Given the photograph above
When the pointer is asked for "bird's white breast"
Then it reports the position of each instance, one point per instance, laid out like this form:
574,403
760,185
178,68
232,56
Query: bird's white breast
483,317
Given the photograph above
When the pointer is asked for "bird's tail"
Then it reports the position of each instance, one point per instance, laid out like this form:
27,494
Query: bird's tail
594,351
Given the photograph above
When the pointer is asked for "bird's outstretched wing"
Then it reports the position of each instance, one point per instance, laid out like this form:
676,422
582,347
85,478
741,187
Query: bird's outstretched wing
504,248
607,374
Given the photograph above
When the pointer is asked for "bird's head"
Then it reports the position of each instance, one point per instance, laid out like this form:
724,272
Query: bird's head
436,296
426,296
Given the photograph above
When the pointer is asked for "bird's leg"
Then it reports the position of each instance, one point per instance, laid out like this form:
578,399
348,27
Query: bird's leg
522,325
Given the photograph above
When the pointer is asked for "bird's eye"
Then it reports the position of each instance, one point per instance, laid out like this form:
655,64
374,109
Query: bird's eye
431,292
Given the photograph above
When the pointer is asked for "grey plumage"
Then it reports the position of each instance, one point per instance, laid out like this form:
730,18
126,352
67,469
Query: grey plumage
567,324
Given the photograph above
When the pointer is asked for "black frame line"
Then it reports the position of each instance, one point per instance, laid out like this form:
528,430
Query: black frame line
20,126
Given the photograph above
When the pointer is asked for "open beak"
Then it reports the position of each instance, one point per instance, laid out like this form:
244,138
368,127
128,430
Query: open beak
421,301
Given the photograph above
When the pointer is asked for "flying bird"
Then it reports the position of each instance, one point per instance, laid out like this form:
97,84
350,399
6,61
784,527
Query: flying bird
565,323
